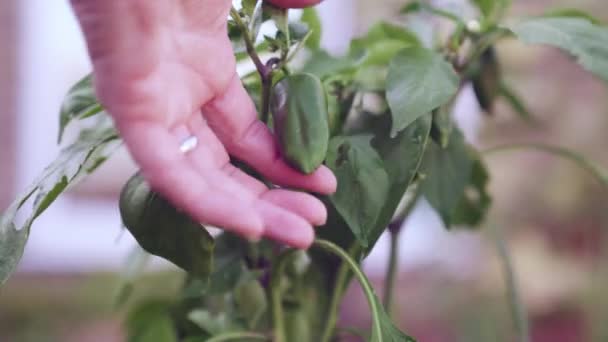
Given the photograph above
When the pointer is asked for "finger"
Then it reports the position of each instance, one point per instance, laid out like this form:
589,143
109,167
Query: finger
233,118
284,226
169,172
307,206
255,186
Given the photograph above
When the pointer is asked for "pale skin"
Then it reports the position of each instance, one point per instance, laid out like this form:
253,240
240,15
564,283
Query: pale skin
165,70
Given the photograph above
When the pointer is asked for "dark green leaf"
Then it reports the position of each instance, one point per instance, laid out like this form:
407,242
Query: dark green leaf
163,230
516,103
311,18
151,321
390,333
235,34
445,175
419,81
79,103
587,42
573,13
74,162
363,183
402,156
475,200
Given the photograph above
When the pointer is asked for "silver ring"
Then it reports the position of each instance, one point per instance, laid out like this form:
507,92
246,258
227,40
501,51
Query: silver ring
188,144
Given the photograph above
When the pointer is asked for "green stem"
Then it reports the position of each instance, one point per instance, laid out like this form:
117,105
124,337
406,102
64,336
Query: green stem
483,43
266,93
600,174
249,45
238,336
365,284
265,71
518,313
276,295
336,297
395,230
391,273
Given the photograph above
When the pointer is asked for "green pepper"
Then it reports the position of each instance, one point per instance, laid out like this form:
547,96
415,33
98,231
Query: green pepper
163,230
300,119
486,81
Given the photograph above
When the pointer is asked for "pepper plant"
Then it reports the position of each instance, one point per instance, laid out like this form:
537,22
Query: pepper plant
380,116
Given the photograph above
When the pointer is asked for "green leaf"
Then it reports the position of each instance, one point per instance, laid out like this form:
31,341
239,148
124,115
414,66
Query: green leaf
322,64
573,13
445,175
386,31
162,230
381,52
586,42
151,321
250,299
402,157
249,7
311,18
492,9
475,200
79,103
75,161
389,332
363,183
515,102
214,324
419,81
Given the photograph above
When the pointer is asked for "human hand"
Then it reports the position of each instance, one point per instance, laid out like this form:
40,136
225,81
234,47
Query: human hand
165,71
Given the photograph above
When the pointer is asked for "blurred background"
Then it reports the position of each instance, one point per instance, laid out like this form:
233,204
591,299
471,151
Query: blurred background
451,285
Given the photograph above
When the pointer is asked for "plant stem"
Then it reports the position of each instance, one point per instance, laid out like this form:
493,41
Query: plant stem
391,273
276,295
249,44
596,171
365,284
265,71
336,297
394,229
483,43
266,93
518,313
238,336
